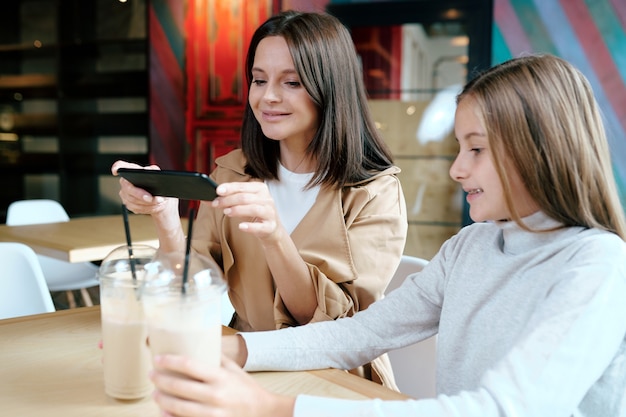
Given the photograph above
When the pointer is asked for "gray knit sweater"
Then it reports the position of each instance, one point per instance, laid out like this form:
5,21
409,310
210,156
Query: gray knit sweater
529,324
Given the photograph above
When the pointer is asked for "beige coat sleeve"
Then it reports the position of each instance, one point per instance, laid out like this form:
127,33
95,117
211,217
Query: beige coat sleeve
352,242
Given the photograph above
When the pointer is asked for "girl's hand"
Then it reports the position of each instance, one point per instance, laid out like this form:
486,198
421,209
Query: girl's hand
185,389
251,202
138,200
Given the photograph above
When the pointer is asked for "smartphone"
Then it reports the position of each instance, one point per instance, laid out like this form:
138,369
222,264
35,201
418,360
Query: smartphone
185,185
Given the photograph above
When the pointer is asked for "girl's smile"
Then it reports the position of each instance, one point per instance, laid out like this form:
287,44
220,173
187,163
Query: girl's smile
474,169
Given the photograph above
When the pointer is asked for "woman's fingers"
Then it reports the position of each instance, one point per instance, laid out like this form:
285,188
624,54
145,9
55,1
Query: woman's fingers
252,187
124,164
241,194
138,200
249,201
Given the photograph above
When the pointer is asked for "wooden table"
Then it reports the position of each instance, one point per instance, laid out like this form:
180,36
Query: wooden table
82,239
51,366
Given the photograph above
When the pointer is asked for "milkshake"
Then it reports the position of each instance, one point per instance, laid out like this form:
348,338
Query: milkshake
176,334
185,322
126,358
126,369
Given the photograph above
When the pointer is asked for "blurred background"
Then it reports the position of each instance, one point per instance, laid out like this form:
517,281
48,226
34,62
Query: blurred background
86,82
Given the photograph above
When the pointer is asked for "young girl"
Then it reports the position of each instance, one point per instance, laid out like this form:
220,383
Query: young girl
529,302
311,195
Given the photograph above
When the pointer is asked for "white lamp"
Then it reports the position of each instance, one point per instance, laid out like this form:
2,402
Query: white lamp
438,118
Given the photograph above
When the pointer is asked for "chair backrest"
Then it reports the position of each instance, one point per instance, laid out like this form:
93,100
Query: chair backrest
35,211
23,289
408,265
414,366
60,275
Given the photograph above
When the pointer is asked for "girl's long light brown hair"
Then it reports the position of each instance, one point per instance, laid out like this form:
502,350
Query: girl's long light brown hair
542,120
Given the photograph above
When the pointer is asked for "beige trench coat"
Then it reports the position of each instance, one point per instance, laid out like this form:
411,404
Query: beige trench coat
351,239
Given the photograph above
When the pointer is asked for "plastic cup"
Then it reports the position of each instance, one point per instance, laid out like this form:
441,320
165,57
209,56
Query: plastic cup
185,319
126,357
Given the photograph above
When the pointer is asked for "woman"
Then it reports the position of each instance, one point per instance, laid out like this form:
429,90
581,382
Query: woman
310,222
528,303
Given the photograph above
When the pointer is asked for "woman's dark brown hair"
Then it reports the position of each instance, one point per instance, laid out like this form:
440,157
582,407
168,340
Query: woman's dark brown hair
346,146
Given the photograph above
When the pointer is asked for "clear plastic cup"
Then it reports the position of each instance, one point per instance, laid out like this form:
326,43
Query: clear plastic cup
184,318
126,357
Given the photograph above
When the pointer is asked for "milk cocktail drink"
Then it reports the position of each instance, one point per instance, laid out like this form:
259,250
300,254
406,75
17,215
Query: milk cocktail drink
128,379
186,327
185,322
126,358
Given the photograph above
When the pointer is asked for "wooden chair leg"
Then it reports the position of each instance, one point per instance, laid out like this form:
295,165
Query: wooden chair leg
86,297
70,299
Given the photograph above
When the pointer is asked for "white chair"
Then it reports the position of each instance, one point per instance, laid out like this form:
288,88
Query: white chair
23,289
60,275
414,366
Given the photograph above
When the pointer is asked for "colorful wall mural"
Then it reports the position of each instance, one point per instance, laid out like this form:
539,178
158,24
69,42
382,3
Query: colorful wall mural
591,34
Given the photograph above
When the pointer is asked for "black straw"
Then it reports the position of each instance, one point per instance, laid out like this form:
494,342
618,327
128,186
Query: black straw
129,241
192,214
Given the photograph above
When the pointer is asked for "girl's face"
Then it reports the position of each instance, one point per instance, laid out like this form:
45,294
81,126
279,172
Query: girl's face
473,168
279,101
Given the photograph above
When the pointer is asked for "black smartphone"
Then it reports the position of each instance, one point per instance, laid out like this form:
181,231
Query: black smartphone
186,185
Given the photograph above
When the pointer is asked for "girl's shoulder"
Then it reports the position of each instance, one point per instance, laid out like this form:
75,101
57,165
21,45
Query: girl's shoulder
573,239
601,243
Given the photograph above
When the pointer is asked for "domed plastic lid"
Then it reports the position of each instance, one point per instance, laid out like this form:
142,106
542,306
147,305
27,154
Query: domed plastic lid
126,262
175,270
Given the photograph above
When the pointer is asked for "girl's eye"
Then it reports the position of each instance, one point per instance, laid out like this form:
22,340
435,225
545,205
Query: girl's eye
476,150
258,82
293,83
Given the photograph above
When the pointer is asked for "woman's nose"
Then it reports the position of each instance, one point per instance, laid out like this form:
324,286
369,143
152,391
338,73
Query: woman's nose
272,93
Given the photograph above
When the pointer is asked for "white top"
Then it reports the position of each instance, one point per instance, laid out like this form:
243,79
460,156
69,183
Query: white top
529,324
292,201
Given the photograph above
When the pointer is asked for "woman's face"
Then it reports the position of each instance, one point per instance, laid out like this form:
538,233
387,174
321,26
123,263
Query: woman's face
279,101
473,168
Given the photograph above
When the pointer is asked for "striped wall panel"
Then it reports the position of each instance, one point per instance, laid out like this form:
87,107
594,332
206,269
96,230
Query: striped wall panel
167,83
588,33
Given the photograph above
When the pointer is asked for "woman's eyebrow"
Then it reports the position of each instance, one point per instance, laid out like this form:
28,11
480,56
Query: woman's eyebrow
286,71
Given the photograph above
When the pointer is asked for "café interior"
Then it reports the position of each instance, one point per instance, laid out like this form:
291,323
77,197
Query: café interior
149,81
86,83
